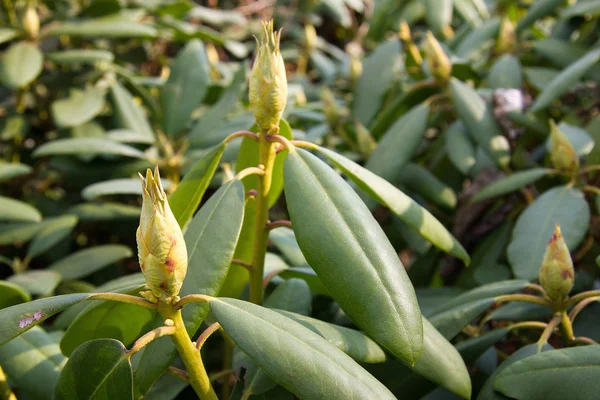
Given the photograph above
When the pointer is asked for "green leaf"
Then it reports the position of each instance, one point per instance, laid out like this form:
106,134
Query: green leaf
438,14
294,356
248,157
346,247
128,136
510,183
399,143
37,282
15,210
20,318
380,69
105,211
565,81
86,56
540,77
103,27
209,258
451,322
7,34
99,370
106,319
13,170
80,107
352,342
562,53
589,8
553,375
186,198
128,114
51,233
33,363
186,87
478,38
400,204
11,294
473,348
18,232
308,275
123,186
480,122
506,73
538,10
580,139
420,180
459,148
560,205
78,146
285,240
20,65
87,261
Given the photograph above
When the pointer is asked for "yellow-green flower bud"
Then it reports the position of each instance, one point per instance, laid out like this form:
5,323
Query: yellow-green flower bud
507,37
437,60
161,247
310,37
557,274
31,22
563,155
268,82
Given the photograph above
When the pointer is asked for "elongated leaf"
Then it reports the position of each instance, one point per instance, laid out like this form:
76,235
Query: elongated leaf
80,107
33,362
85,262
117,186
209,258
449,323
7,34
20,318
52,233
186,198
308,275
561,205
103,27
399,143
20,65
285,240
37,282
15,210
400,204
580,139
99,370
506,73
18,232
78,146
539,9
186,87
13,170
379,71
565,81
478,38
105,211
471,349
128,114
420,180
439,14
590,7
11,294
346,247
480,122
510,183
294,356
459,148
562,53
553,375
87,56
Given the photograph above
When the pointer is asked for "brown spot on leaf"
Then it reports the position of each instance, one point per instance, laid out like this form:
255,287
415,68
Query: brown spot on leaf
28,320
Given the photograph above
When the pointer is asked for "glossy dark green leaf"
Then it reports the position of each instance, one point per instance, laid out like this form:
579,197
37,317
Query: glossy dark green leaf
11,294
80,146
400,204
87,56
186,198
20,65
511,183
346,247
399,143
16,210
538,10
37,282
420,180
20,318
248,157
51,233
380,69
99,370
506,73
565,81
128,114
294,356
438,14
80,107
479,120
449,323
560,205
185,88
103,27
459,147
553,375
85,262
12,170
33,363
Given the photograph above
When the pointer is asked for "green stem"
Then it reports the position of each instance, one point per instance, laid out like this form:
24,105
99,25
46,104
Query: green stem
527,325
189,353
149,337
548,331
192,298
566,327
123,298
266,158
206,334
581,296
523,297
10,11
580,306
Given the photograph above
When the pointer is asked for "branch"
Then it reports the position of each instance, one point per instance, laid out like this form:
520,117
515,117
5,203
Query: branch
123,298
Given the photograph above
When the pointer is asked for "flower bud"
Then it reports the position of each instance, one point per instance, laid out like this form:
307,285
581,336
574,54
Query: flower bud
31,23
310,37
562,153
437,61
161,247
506,37
557,274
268,83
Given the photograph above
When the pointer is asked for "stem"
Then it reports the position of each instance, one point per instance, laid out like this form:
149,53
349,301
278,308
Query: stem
266,157
189,354
237,134
583,340
591,189
528,324
178,373
523,297
566,327
249,171
278,224
123,298
280,139
303,144
548,331
193,298
10,11
242,263
582,296
589,169
537,288
206,334
149,337
580,306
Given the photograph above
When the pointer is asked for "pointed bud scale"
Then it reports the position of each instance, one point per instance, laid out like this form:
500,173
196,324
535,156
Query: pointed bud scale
557,274
437,60
31,23
507,37
268,82
161,248
562,153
